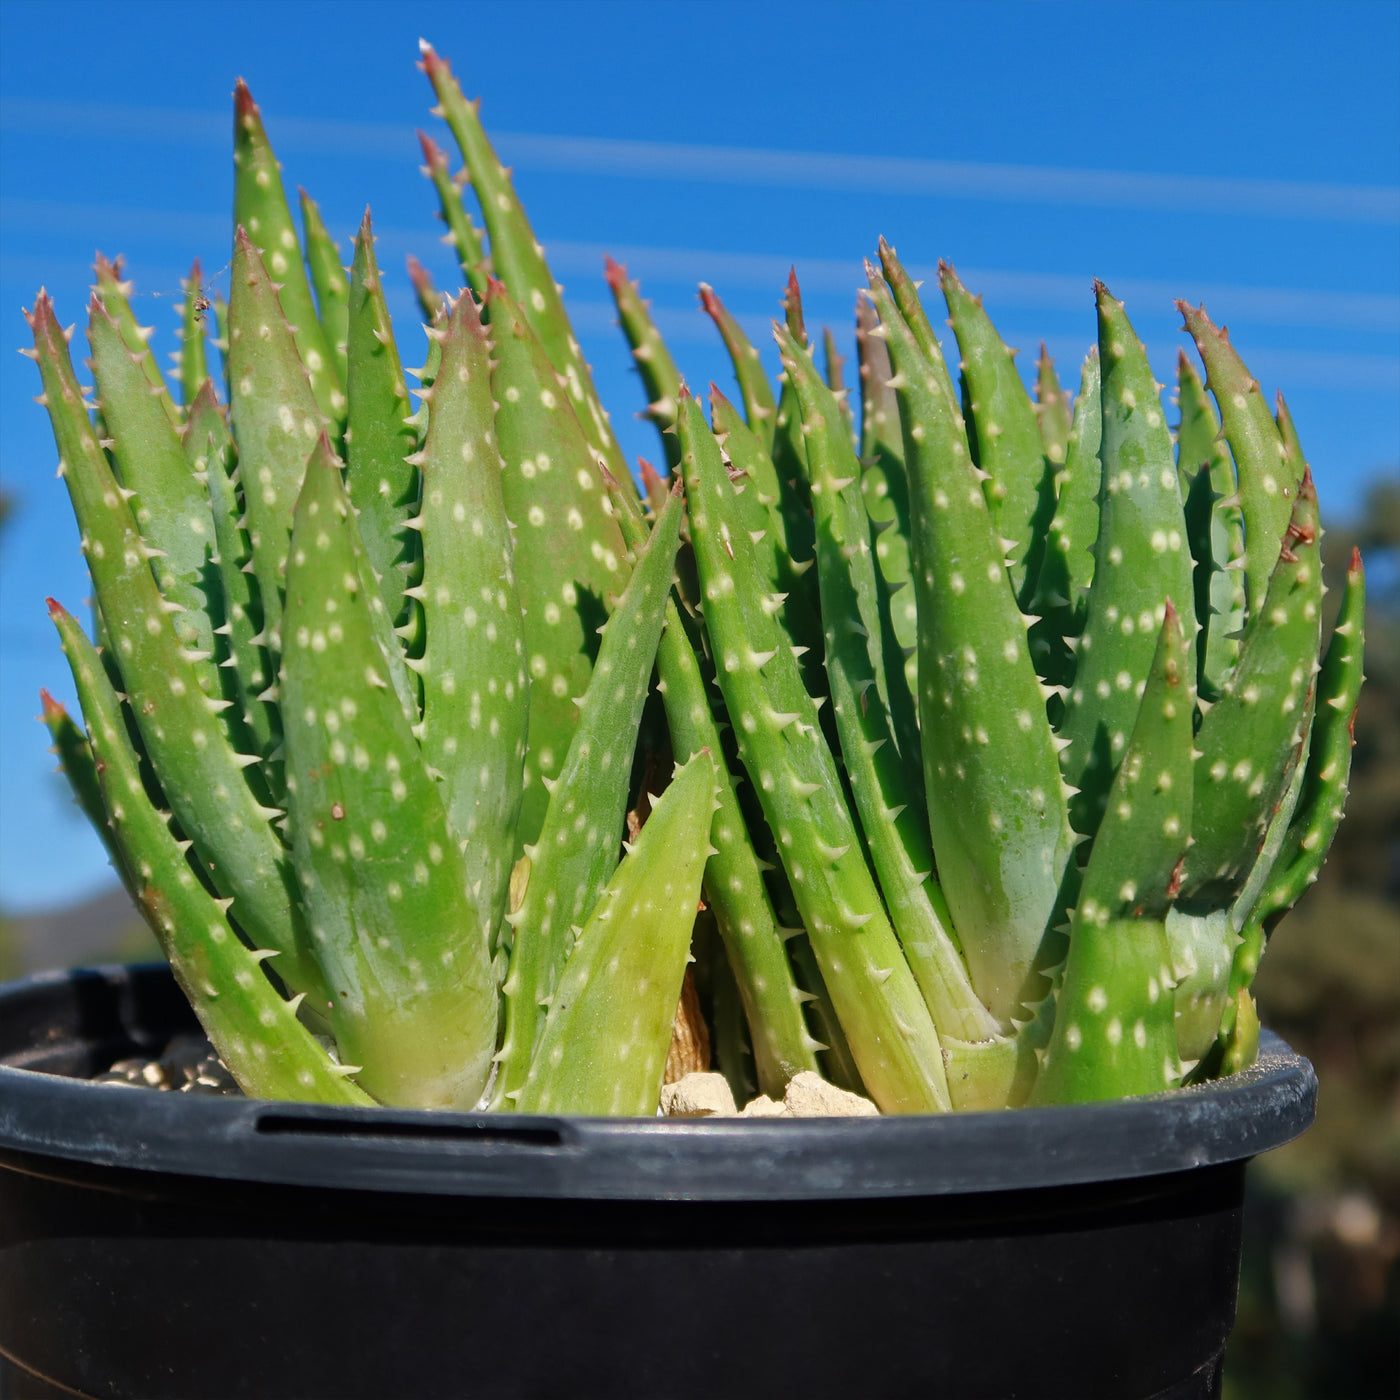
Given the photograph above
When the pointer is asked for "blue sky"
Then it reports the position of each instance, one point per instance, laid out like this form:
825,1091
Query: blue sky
1244,154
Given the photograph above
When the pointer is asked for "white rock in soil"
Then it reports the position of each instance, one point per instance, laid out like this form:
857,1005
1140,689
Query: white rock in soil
810,1096
698,1095
764,1107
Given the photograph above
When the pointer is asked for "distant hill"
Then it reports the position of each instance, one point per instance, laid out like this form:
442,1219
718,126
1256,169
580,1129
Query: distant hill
104,928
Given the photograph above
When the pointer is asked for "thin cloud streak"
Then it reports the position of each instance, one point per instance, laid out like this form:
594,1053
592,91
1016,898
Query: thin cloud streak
1360,373
892,175
1281,306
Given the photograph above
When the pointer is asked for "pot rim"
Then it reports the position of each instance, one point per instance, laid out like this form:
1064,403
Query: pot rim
47,1115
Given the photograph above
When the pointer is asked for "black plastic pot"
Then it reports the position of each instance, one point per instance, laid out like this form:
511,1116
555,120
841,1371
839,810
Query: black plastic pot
166,1245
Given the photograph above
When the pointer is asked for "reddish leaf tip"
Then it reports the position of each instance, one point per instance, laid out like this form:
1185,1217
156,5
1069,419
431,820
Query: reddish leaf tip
432,152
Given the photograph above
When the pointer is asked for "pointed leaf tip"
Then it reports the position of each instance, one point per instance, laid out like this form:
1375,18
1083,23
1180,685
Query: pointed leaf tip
432,152
243,104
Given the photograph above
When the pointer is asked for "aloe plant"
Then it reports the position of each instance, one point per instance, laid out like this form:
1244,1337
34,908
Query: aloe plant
995,740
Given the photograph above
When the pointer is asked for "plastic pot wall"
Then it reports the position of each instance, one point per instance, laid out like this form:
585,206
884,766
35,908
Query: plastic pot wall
164,1245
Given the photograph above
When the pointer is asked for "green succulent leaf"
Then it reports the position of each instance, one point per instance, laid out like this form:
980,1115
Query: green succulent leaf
517,259
1020,488
889,799
660,376
328,278
876,999
1141,558
1067,566
1215,527
200,771
401,943
114,294
1253,737
996,809
462,234
260,209
254,1030
1054,409
171,506
475,690
734,890
603,1047
760,407
568,550
192,358
1114,1031
381,441
577,849
1268,480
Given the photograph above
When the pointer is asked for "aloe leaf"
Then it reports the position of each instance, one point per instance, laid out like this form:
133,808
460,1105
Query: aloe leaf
1009,447
462,236
1054,410
243,667
879,758
192,358
834,372
517,259
568,550
201,773
219,340
1268,482
1202,947
577,848
765,529
328,278
1240,1044
170,505
654,488
380,441
906,297
254,1030
760,407
1252,738
1288,433
115,294
603,1046
385,886
733,883
653,360
1067,566
1141,558
875,996
75,761
838,1064
789,449
1217,535
260,208
884,487
428,297
880,436
996,808
275,422
1114,1031
475,691
1323,791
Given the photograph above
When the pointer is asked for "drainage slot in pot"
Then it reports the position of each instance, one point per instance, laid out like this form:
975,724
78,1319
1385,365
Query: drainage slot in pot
277,1124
